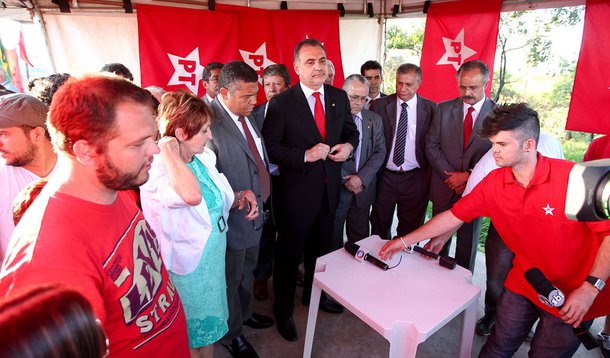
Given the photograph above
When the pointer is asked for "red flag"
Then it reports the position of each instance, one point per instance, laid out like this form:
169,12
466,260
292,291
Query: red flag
175,44
456,32
22,52
293,26
591,91
256,44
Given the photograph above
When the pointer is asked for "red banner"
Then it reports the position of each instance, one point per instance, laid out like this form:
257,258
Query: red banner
456,32
176,44
591,91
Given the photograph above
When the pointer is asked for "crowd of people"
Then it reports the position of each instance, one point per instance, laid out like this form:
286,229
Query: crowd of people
153,218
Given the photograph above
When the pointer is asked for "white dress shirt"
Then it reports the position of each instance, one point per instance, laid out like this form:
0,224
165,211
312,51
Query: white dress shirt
410,162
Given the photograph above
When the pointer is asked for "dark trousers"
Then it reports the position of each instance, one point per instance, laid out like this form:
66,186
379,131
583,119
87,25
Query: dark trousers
264,267
409,193
498,261
239,266
298,239
354,219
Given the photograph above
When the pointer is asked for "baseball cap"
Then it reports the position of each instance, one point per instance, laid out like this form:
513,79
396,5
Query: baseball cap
22,109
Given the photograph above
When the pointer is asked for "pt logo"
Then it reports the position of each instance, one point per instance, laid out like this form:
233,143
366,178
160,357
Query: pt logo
147,277
187,70
258,60
456,52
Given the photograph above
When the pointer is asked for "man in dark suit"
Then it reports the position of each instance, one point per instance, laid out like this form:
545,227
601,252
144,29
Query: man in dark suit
242,159
403,181
210,76
372,71
309,133
453,147
360,174
276,80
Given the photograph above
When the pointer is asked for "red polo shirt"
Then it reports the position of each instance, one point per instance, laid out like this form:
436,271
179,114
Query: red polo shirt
532,222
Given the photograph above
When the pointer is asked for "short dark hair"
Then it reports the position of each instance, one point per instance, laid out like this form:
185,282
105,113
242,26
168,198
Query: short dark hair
409,67
370,65
307,42
234,72
475,64
355,78
518,117
118,69
207,70
85,108
277,70
45,87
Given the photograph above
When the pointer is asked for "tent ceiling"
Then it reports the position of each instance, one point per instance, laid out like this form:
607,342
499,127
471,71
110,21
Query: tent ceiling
385,8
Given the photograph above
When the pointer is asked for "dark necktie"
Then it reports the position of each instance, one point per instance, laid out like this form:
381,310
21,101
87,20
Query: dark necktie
263,174
319,116
468,126
401,136
371,104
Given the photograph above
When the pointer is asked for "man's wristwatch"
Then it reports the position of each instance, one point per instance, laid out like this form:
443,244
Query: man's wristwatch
596,282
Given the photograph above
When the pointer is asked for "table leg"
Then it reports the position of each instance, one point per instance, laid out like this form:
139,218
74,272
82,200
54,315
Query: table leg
404,340
470,317
312,318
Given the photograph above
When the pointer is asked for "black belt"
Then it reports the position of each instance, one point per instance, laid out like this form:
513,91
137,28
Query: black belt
399,172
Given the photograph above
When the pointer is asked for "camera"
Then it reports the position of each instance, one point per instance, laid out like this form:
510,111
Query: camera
588,193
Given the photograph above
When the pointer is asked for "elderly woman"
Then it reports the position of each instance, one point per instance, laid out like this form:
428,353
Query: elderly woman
187,201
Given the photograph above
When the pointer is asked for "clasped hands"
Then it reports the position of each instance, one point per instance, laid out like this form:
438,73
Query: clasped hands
248,199
321,151
456,181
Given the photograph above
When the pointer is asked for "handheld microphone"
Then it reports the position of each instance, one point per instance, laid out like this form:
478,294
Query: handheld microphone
553,297
445,261
363,255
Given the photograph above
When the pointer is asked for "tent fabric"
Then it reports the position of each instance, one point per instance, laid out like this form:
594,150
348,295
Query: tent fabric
83,43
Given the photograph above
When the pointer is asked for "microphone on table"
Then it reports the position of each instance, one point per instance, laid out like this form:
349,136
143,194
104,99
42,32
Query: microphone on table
445,261
361,255
553,297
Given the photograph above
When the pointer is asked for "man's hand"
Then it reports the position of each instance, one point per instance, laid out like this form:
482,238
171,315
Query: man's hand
317,152
436,244
340,152
456,179
578,303
460,189
353,184
248,199
390,248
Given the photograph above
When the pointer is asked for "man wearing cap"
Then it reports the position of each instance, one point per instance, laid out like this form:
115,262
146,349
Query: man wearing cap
26,151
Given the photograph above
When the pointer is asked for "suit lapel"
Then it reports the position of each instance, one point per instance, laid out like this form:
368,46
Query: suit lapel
485,108
420,124
458,115
390,109
366,136
226,122
302,107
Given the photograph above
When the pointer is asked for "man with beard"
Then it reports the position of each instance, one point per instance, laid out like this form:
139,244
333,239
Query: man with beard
27,153
85,231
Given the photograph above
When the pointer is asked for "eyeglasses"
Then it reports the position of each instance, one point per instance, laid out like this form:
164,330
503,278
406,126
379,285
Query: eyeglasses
265,215
357,98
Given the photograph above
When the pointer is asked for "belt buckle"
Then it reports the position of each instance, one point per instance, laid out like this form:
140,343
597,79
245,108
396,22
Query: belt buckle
221,223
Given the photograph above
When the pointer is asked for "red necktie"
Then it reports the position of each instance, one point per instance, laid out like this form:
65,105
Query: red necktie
319,116
468,126
371,105
263,174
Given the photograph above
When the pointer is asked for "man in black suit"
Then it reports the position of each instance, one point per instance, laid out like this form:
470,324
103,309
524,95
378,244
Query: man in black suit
276,80
210,76
308,132
404,179
360,174
372,71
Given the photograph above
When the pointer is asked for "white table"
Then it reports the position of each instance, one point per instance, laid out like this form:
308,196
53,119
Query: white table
406,305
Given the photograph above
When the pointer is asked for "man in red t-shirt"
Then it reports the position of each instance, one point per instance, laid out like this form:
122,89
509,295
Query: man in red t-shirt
86,232
526,200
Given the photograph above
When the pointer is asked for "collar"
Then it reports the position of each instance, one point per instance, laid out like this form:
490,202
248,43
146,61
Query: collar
368,99
541,174
210,99
411,103
231,114
477,106
359,115
308,91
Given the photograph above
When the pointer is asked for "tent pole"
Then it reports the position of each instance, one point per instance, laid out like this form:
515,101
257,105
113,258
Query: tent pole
40,20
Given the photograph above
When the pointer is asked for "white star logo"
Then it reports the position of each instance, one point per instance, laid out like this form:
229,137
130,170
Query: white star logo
548,210
455,51
258,60
187,70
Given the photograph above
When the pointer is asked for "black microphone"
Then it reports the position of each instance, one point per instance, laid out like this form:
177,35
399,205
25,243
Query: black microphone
553,297
445,261
363,255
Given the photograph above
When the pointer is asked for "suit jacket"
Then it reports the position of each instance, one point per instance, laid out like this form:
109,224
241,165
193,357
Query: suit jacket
237,163
259,115
372,158
289,130
386,107
445,146
205,100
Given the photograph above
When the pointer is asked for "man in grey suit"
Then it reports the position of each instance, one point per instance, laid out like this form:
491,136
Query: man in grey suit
210,76
242,159
359,174
403,181
453,148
